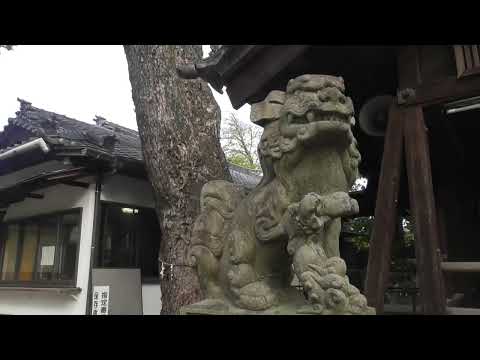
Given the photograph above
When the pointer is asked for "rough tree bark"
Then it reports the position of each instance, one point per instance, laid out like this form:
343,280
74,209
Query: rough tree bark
179,125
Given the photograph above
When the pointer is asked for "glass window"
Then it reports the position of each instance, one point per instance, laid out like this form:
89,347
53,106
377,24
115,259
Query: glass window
42,249
29,251
130,239
70,240
47,248
10,249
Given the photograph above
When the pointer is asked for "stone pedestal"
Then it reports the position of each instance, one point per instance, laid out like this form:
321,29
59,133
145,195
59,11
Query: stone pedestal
290,303
293,304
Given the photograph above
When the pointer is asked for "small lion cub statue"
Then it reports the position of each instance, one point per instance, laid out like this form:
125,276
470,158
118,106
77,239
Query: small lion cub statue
323,277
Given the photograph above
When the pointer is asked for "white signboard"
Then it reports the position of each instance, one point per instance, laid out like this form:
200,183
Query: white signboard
48,256
101,297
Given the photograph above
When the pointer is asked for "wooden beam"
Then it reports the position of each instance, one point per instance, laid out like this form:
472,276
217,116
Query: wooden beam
462,311
430,93
459,59
476,56
26,188
467,60
422,204
80,184
468,56
446,90
409,75
385,211
459,266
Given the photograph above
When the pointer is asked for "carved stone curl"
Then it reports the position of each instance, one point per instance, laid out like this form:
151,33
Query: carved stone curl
324,279
245,246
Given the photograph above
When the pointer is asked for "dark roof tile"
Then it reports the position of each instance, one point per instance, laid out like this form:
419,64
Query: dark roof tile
52,127
105,136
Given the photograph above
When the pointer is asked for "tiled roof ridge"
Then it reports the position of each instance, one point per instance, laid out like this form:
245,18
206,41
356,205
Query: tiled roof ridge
105,136
63,130
241,168
27,106
99,120
112,126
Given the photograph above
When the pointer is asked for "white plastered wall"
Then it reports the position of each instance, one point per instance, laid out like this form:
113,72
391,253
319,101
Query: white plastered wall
56,198
127,190
118,189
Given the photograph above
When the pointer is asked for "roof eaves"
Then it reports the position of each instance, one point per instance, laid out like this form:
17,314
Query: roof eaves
220,65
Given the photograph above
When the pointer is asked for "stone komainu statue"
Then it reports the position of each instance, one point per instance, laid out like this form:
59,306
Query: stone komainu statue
245,246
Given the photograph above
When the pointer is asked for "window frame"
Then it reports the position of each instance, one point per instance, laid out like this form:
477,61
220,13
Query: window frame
36,283
98,262
466,62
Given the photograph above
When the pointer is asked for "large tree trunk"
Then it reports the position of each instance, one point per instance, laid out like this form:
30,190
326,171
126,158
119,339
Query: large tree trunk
179,125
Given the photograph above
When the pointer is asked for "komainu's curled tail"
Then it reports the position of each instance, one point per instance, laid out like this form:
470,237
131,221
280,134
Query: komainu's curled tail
218,200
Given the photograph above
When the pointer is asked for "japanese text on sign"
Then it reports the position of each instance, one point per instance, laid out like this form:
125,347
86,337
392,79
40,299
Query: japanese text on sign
101,297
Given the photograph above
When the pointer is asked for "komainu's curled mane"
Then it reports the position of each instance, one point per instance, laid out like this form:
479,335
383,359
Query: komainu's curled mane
245,246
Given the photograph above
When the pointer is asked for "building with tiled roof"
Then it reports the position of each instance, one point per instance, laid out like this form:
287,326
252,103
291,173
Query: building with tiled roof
78,217
70,137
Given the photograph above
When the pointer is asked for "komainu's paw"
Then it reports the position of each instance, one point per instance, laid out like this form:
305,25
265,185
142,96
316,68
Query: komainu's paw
241,275
335,300
256,296
358,305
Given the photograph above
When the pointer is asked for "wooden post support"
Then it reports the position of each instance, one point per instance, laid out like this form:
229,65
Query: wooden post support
422,204
385,211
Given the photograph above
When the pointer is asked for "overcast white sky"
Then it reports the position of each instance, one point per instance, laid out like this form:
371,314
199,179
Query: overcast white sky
79,81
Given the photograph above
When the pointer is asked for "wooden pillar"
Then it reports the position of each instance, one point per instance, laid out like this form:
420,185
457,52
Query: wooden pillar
422,204
385,222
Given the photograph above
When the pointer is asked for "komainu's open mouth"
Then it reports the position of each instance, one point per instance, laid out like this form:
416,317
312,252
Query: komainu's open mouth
318,115
316,109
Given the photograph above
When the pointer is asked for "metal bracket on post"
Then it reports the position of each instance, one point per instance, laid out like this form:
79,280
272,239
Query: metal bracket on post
405,95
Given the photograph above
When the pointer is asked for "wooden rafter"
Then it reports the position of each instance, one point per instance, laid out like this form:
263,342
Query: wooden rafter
467,58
